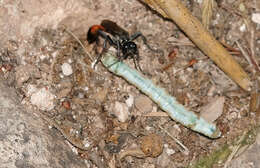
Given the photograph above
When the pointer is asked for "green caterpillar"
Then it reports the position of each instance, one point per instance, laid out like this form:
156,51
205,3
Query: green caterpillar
166,102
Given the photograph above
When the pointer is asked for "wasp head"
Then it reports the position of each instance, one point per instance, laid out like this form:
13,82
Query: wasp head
129,48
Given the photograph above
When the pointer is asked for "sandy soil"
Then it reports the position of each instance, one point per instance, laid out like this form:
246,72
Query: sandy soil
111,118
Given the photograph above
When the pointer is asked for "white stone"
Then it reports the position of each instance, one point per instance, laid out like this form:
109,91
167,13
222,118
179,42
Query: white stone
66,69
130,101
148,128
70,61
42,56
121,111
61,76
170,151
243,28
256,18
54,54
81,95
86,143
31,89
43,99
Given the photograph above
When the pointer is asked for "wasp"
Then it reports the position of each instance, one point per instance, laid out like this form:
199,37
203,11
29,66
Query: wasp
120,39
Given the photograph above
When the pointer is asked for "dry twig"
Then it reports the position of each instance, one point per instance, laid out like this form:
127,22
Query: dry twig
183,148
76,38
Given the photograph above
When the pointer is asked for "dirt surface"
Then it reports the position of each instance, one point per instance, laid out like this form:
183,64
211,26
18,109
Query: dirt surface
25,141
105,117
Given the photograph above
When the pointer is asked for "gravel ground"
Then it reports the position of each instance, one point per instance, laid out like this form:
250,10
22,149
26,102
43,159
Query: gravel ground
110,117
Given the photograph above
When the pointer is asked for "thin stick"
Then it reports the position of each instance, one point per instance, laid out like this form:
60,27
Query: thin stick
234,151
76,38
184,149
244,53
252,62
252,48
75,142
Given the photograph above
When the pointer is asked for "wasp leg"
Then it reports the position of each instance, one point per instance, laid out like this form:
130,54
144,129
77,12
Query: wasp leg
118,49
139,34
118,46
109,40
136,59
119,58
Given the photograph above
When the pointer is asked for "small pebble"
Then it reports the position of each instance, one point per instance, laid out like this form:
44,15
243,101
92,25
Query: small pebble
66,69
243,28
121,111
242,7
256,18
24,72
31,89
170,151
7,67
164,161
43,99
81,95
232,116
63,93
86,143
101,95
98,122
211,91
130,101
66,104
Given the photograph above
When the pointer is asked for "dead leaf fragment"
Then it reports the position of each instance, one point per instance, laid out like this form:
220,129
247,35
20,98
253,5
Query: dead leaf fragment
254,102
136,152
213,109
143,104
152,145
24,72
113,138
66,104
101,95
